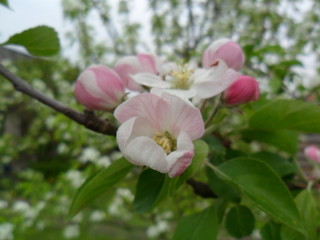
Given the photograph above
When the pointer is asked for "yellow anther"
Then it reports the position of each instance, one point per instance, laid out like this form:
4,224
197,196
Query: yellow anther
165,141
182,78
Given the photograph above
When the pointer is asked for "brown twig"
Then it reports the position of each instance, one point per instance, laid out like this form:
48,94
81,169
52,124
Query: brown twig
87,119
201,189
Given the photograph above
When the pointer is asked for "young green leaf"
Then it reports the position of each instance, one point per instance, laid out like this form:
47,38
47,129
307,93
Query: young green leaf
260,184
287,114
282,139
271,231
151,189
306,206
4,3
98,184
240,221
222,188
202,225
201,152
39,41
279,164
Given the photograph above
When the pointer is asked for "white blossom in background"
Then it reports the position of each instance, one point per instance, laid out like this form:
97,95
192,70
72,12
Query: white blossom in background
62,148
89,155
3,204
20,206
78,218
71,231
117,206
125,193
97,216
103,162
156,230
63,204
116,155
75,177
6,231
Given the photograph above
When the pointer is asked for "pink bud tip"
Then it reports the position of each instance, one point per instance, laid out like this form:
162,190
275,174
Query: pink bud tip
99,88
130,65
243,90
313,153
227,50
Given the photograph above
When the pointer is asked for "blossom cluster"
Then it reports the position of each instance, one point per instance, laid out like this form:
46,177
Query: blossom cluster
162,119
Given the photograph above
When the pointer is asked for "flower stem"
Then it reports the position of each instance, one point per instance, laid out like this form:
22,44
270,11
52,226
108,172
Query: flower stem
215,110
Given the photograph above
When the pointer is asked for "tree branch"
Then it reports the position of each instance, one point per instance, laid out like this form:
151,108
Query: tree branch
201,189
87,119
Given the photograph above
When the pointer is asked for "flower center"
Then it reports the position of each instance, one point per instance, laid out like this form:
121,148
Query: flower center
182,78
166,141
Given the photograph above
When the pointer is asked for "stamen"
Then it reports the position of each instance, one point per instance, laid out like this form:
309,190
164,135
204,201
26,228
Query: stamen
165,141
182,78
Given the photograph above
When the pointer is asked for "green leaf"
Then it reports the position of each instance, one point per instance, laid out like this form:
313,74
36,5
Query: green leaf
202,225
39,41
287,114
285,140
279,164
239,221
98,184
306,206
260,184
201,152
222,188
152,187
271,231
4,3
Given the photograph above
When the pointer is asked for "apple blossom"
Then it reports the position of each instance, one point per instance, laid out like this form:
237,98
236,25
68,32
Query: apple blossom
131,65
187,81
99,88
244,89
224,49
313,152
157,131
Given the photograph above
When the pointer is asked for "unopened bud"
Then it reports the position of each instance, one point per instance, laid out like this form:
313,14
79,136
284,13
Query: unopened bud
226,50
130,65
313,153
99,88
243,90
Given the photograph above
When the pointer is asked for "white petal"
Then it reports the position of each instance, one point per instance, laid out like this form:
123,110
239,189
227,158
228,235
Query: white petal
184,94
213,81
179,160
144,151
150,80
149,106
183,117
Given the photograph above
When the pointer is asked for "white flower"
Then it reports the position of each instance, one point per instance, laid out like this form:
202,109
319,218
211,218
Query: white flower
97,216
157,131
71,231
75,178
6,231
187,81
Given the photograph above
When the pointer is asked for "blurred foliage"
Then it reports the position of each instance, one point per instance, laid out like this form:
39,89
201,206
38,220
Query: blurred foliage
45,156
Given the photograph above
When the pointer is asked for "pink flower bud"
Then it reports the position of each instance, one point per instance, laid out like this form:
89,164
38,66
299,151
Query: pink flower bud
130,65
244,89
226,50
99,88
313,153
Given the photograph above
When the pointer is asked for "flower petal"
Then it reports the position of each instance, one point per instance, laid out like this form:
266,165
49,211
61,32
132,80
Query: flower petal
209,83
149,106
144,151
180,160
184,94
150,80
148,62
133,128
182,117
